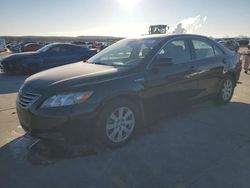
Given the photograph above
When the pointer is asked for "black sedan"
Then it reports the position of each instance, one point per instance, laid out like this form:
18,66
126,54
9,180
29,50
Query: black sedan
49,56
111,95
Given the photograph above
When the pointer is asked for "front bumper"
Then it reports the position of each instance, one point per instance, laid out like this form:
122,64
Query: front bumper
62,124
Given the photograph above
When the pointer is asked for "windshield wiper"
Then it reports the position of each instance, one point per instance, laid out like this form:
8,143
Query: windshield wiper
109,64
100,63
97,63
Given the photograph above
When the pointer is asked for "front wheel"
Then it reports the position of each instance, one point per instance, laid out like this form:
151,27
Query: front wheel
226,90
117,123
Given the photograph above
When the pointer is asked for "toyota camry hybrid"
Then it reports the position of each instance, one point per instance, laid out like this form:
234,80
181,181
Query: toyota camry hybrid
109,96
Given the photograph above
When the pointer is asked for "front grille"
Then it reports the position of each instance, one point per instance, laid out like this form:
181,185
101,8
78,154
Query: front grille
27,99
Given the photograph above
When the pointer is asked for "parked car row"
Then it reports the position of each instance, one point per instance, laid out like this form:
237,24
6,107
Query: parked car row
29,46
93,45
243,41
17,47
108,97
231,44
49,56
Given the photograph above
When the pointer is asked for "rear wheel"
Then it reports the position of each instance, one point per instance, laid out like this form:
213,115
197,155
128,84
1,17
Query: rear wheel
117,123
226,90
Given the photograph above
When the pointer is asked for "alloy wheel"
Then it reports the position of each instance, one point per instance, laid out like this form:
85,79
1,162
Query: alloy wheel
120,124
227,89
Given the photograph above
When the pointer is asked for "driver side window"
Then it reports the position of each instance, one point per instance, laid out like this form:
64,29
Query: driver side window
176,52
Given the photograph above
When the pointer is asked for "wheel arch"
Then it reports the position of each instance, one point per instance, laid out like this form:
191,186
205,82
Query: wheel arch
233,75
135,99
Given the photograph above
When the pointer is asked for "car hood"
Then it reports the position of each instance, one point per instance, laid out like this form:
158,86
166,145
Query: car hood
19,55
71,76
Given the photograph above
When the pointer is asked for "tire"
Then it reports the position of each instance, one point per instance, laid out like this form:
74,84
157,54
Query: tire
226,90
117,123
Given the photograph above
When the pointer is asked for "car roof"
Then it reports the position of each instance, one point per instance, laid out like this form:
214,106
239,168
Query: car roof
167,36
64,44
32,43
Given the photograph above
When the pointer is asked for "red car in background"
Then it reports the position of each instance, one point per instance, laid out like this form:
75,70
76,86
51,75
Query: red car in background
30,47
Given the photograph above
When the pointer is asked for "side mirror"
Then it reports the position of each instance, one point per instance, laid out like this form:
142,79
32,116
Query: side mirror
163,61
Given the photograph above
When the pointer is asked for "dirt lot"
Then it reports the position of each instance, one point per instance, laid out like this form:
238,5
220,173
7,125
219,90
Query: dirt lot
207,146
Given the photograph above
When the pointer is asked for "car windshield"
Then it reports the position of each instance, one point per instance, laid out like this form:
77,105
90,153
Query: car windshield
126,52
45,48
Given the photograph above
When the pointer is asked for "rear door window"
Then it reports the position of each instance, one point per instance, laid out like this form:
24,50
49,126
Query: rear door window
218,51
202,49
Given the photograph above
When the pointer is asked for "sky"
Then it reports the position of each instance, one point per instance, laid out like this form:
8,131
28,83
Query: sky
123,18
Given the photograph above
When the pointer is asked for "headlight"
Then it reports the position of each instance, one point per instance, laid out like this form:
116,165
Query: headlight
67,99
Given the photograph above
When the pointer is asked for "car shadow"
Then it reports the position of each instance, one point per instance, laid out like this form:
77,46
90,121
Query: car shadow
37,152
232,108
11,83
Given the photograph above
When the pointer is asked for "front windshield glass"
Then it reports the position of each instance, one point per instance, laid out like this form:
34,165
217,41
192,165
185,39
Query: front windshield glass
45,48
125,52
